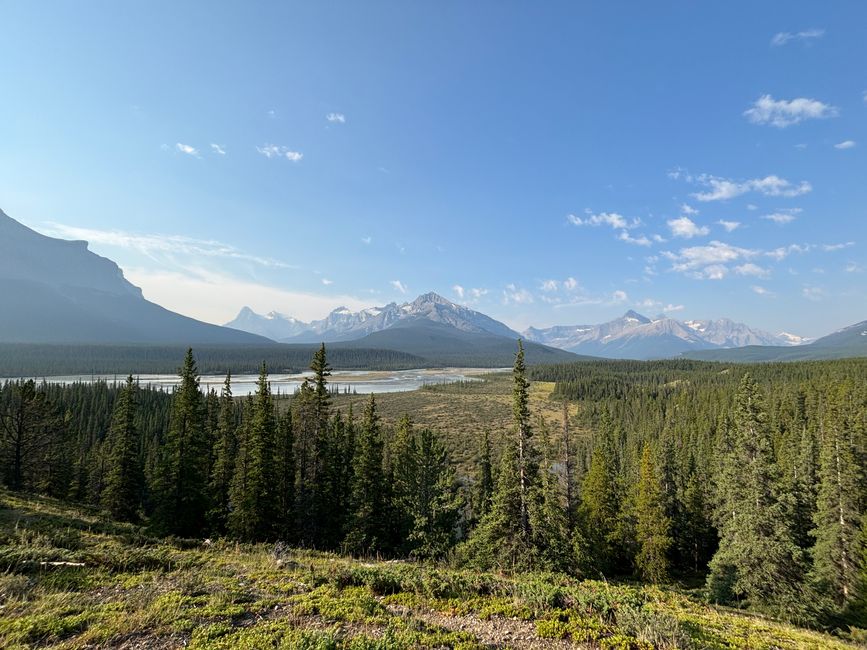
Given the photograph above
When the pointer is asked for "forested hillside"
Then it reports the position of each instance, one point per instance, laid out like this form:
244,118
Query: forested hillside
745,482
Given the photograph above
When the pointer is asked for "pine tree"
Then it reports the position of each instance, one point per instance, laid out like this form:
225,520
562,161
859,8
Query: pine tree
548,518
497,541
521,417
434,504
181,492
225,450
757,558
569,470
838,550
598,512
653,526
253,497
285,478
368,522
404,469
123,483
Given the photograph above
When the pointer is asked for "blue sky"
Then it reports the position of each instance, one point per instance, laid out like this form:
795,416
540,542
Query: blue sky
552,163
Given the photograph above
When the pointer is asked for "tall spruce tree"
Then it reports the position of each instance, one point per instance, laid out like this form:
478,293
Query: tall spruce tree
123,482
548,518
285,478
757,558
521,419
838,551
434,503
253,497
368,521
225,450
598,513
653,527
182,487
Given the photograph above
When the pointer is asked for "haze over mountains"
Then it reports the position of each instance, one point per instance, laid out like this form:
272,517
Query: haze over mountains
57,291
632,336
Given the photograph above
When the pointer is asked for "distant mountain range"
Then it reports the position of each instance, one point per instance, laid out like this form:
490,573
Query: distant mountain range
634,336
848,342
430,326
57,291
343,324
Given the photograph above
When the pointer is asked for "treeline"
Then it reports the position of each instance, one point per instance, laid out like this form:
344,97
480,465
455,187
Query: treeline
46,360
756,482
681,470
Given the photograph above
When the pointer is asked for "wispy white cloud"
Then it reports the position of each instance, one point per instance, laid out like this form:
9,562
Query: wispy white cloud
836,247
721,189
187,149
854,267
612,219
366,240
327,282
686,228
846,144
688,210
459,291
570,284
730,226
339,118
779,217
400,286
513,294
806,36
217,297
782,113
658,306
277,151
159,246
783,252
760,290
641,240
752,269
218,149
708,261
813,293
549,285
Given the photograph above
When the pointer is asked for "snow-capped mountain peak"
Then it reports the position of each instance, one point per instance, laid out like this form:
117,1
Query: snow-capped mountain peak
636,336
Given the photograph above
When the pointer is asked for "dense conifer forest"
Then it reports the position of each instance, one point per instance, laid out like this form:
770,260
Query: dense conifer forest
746,481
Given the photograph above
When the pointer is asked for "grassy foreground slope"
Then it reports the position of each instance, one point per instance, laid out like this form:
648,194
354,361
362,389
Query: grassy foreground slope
69,579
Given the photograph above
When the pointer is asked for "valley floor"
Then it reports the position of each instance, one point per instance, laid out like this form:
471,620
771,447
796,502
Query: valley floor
69,579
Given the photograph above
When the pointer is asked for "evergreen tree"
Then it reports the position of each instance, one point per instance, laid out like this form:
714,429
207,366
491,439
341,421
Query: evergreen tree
652,524
521,418
757,558
122,493
285,478
368,522
254,513
434,504
28,425
225,450
838,550
598,513
181,491
548,519
404,470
